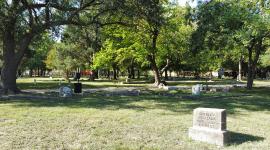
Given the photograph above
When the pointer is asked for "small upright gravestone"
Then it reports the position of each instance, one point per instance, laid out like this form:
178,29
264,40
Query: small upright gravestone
65,91
209,125
196,90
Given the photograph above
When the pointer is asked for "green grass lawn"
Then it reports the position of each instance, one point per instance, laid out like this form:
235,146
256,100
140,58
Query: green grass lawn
148,121
46,83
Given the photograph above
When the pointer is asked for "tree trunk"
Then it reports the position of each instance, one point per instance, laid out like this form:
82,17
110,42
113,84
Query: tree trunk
66,76
156,75
166,74
250,70
253,63
38,72
129,72
155,71
132,71
13,52
8,76
11,61
31,73
165,68
117,73
96,74
44,73
114,74
240,68
108,73
152,58
138,74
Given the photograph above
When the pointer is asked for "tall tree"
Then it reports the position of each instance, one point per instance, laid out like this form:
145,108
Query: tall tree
151,18
255,34
22,20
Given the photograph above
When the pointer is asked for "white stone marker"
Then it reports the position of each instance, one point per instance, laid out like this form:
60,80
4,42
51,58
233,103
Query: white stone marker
201,87
196,90
65,91
209,125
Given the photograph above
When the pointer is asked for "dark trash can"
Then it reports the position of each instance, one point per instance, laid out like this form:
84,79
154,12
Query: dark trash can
77,87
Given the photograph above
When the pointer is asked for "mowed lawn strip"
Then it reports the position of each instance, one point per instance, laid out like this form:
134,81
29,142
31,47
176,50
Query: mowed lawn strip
148,121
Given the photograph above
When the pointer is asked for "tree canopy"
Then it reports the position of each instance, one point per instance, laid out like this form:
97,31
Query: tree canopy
125,36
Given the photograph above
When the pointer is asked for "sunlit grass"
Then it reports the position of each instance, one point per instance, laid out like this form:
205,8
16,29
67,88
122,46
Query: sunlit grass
47,83
148,121
55,83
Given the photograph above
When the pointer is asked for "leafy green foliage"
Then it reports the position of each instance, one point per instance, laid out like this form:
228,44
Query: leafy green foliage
37,52
60,57
265,59
173,43
127,45
105,58
230,28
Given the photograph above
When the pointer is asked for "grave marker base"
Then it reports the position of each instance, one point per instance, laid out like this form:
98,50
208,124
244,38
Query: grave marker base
208,135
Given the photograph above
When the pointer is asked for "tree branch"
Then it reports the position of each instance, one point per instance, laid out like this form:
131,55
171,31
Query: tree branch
24,43
30,13
166,66
55,5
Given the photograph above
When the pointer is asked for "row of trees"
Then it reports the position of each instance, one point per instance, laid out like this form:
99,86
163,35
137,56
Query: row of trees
144,42
128,34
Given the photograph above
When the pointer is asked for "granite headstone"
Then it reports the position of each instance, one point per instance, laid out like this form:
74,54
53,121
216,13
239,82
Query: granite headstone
209,125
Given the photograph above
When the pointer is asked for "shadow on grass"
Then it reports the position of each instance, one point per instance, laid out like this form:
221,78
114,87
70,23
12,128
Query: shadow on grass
261,91
204,82
97,102
232,102
257,99
239,138
85,84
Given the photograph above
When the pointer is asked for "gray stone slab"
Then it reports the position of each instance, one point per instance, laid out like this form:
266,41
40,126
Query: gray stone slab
209,125
210,136
220,86
240,85
176,87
